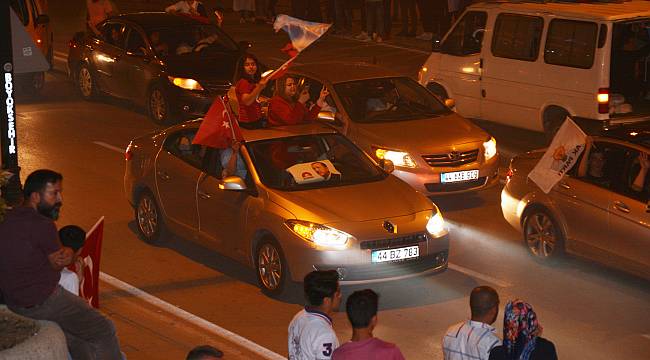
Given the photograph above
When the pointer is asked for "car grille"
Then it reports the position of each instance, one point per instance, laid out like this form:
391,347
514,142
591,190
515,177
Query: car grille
452,159
458,186
393,242
392,269
216,86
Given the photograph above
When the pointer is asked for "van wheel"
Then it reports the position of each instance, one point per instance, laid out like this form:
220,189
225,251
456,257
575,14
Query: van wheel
271,267
553,118
542,235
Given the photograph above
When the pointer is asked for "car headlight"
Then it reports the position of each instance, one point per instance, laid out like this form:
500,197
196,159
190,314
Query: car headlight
399,158
436,224
490,148
188,84
320,235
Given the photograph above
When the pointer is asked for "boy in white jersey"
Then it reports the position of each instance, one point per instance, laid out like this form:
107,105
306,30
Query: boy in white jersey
311,336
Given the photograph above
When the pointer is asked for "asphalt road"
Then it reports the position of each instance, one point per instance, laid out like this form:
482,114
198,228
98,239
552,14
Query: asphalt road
588,311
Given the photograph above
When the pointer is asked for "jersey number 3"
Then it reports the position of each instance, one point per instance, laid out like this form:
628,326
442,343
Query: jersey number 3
328,349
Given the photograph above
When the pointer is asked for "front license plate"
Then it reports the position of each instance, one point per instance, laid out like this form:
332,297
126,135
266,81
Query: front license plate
395,254
457,176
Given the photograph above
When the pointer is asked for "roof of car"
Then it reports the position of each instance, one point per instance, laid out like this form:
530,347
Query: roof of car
603,11
340,72
275,132
636,133
157,19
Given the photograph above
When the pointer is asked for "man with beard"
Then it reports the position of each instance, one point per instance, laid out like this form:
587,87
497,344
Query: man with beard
31,259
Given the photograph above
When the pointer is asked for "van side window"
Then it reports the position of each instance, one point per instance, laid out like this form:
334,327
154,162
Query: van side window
517,36
571,43
20,8
467,36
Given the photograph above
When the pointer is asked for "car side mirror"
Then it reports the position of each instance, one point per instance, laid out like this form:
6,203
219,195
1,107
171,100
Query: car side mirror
245,45
450,103
387,165
42,20
329,117
233,183
436,43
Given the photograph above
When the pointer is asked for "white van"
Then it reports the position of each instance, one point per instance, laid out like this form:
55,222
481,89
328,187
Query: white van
530,64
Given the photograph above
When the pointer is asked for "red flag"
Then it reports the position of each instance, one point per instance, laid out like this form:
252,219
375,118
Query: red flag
90,256
219,127
290,50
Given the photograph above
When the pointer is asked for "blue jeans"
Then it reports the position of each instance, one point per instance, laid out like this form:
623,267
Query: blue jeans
375,17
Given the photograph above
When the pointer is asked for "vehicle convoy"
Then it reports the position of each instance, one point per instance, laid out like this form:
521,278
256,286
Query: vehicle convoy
600,210
307,199
392,117
530,64
172,65
33,15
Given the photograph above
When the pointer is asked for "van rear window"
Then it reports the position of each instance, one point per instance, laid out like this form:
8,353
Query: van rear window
517,36
571,43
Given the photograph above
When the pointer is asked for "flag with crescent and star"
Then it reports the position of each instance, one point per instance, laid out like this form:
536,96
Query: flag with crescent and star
219,126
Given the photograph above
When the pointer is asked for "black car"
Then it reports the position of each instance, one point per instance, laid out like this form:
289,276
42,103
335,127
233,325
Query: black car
173,65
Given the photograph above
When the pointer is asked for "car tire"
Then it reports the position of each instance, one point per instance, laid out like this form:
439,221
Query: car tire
542,235
271,267
148,218
158,106
86,82
553,118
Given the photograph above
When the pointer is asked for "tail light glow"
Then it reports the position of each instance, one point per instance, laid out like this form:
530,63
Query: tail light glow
603,100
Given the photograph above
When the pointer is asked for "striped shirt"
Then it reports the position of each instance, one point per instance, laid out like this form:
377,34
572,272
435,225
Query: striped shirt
311,336
469,340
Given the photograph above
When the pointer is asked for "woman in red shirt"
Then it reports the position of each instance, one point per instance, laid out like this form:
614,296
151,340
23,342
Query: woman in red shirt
287,107
248,85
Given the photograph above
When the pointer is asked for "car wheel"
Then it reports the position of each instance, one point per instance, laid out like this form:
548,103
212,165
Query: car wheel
158,106
542,235
271,267
149,218
86,82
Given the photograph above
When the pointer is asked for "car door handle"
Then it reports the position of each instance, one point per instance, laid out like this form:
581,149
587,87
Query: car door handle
621,207
564,185
163,175
204,195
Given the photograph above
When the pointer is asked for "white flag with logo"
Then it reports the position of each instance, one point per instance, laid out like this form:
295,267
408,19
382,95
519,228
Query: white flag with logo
561,155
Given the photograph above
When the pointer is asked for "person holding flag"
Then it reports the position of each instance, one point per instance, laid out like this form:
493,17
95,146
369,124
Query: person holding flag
289,107
248,86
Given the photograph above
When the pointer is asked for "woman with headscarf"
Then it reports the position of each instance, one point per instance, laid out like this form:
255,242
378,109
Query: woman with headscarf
522,335
248,86
288,106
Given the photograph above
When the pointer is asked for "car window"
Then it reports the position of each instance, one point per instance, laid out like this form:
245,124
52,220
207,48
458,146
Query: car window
388,99
517,36
113,33
314,87
20,8
635,182
191,39
605,165
311,162
467,36
571,43
180,145
135,43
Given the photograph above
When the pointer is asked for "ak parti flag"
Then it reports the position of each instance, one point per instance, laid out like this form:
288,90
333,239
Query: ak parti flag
219,127
90,257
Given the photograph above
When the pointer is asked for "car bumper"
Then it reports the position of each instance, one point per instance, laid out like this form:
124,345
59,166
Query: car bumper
512,207
427,180
355,267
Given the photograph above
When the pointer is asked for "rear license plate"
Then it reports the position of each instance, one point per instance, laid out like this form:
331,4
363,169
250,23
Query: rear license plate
409,252
458,176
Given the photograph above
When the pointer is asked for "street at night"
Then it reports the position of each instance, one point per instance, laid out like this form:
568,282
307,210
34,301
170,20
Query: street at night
588,310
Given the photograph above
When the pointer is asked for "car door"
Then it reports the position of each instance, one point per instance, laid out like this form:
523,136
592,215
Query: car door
222,213
105,54
460,63
629,230
134,66
177,170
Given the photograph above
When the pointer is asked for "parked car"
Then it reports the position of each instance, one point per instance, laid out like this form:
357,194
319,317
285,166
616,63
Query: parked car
307,199
391,116
33,15
530,64
173,65
600,210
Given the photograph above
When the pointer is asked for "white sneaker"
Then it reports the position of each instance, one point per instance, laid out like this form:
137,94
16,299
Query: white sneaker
425,36
363,36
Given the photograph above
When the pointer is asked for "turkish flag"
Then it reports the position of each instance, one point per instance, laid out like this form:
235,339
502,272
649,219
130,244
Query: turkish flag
89,260
219,127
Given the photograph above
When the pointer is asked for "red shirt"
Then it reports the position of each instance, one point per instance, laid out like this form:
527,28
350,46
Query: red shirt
370,349
281,112
247,113
26,275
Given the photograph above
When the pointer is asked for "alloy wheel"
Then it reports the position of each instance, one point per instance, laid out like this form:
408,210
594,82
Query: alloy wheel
85,82
541,235
269,267
158,105
147,217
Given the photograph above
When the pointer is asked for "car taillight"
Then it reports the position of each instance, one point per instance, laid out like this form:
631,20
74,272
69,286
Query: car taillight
128,154
509,174
603,100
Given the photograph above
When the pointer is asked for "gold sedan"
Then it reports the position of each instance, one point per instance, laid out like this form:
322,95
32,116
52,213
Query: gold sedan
302,198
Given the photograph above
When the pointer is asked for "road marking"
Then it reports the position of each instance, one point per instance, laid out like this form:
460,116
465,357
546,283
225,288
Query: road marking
385,45
60,58
61,54
189,317
478,275
109,146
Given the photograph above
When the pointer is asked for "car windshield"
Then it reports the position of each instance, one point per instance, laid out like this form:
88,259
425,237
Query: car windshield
190,39
311,162
388,99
